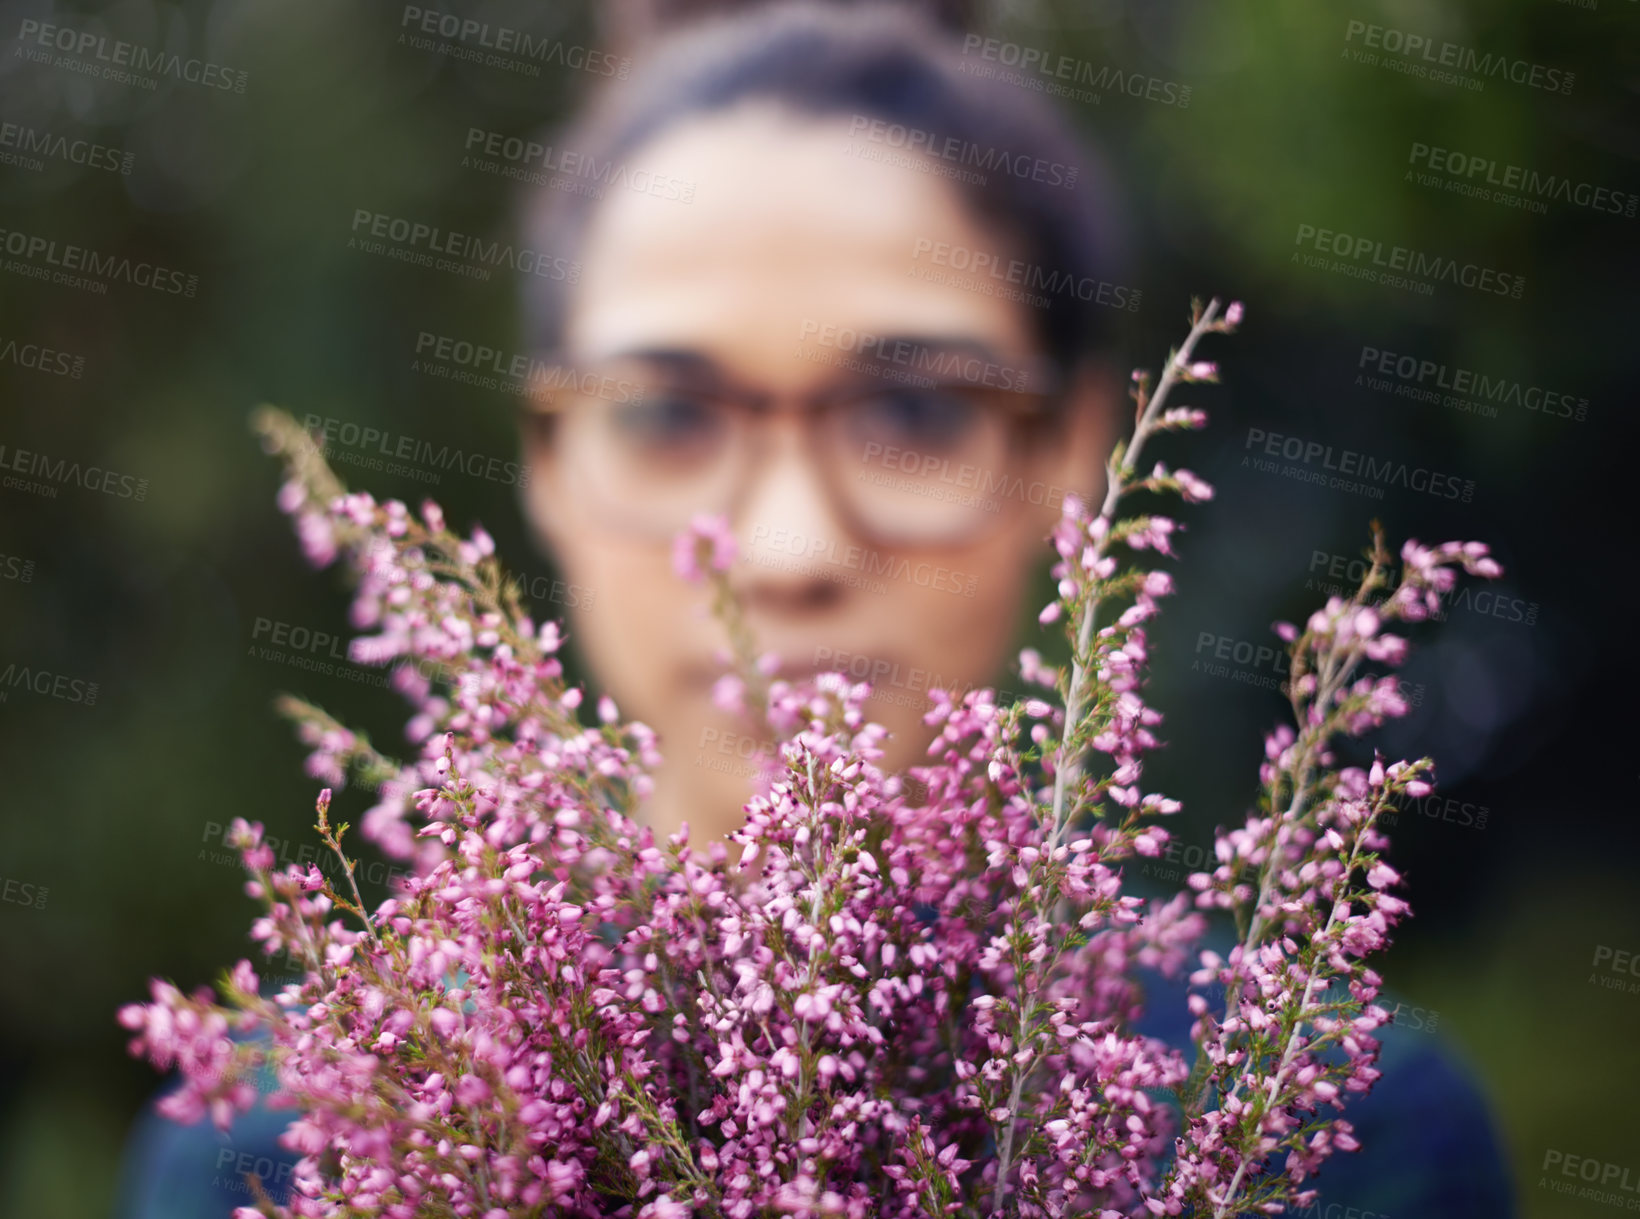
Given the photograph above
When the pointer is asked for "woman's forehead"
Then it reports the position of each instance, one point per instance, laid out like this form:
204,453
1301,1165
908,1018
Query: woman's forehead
788,230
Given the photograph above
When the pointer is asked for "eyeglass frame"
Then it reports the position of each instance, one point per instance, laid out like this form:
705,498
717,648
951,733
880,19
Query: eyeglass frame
1027,406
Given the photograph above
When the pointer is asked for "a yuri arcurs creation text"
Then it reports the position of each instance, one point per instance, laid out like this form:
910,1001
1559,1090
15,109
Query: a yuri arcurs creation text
903,994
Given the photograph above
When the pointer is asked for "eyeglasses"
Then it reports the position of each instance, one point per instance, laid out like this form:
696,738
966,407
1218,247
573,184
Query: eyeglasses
907,458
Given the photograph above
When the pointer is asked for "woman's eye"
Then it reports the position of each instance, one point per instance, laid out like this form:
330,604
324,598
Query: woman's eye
668,423
925,420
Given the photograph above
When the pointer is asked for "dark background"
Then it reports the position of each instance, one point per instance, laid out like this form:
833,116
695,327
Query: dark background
108,807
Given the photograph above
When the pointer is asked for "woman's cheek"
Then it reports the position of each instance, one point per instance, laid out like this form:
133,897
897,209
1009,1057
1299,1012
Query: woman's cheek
958,615
626,629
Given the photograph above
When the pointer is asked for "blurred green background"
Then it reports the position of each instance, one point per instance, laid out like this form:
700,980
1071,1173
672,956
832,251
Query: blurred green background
108,807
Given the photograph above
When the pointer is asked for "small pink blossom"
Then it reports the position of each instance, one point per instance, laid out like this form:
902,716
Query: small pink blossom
707,545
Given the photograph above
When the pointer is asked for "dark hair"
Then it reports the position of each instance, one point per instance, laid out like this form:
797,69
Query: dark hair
883,61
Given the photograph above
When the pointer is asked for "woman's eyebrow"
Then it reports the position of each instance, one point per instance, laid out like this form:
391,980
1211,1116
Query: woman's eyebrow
680,359
953,355
892,348
896,348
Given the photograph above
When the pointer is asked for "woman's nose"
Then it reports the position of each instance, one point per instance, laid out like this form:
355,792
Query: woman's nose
787,524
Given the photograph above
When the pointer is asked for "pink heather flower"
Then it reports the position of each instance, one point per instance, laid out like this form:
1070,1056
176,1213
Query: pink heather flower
707,544
1381,875
1391,649
729,694
318,538
1234,314
551,991
1150,842
247,840
1156,535
1183,417
1195,490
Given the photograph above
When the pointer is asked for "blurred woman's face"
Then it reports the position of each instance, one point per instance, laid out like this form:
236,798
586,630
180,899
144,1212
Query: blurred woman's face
858,549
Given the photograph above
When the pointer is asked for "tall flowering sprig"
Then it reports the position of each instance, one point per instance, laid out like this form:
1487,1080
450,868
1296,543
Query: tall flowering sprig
1286,1049
1031,1030
902,995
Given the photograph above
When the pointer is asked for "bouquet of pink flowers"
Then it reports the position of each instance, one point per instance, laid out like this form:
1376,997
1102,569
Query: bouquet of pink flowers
908,994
